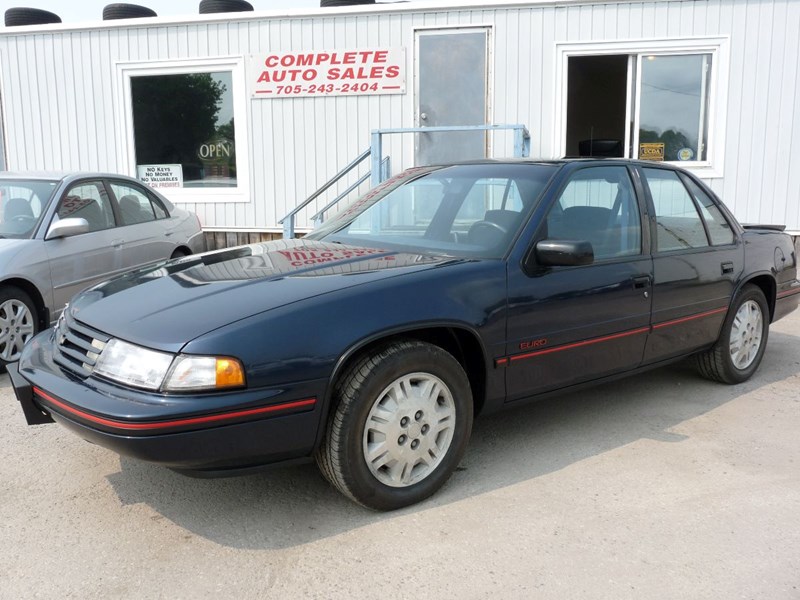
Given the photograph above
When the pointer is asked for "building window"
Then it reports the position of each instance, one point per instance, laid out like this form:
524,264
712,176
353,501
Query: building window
186,120
673,106
181,125
656,100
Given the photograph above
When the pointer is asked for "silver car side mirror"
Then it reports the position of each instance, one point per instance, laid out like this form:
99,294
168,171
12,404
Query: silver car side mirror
66,228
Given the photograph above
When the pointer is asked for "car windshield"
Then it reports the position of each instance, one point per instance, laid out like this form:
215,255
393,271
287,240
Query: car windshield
466,210
22,203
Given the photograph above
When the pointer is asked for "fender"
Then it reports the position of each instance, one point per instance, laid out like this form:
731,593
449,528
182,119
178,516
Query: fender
771,296
353,349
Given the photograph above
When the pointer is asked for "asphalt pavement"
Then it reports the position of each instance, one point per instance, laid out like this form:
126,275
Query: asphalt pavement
662,485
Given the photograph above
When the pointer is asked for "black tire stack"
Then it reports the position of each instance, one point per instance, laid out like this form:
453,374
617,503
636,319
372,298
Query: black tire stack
331,3
20,16
127,11
208,7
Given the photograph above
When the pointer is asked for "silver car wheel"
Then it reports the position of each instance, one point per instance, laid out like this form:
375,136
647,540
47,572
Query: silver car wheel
409,429
16,328
746,334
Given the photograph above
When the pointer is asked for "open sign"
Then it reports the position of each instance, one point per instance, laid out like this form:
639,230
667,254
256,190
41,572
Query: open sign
219,150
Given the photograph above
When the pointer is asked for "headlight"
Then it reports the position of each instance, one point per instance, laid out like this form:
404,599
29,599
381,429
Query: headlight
153,370
133,365
204,372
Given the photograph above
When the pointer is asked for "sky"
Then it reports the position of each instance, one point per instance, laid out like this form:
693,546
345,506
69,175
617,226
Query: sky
92,10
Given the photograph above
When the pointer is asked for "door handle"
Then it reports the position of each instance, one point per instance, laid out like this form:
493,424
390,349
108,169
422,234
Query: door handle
641,282
117,243
727,267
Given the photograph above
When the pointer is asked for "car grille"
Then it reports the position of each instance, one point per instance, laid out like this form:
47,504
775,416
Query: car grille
77,346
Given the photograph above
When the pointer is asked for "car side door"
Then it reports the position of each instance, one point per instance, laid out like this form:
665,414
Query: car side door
570,324
79,261
145,226
697,259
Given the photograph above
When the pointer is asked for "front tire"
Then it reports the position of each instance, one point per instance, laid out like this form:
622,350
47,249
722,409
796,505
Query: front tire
19,322
400,427
742,342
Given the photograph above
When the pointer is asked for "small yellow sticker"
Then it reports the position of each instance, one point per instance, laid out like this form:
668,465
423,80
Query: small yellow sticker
651,151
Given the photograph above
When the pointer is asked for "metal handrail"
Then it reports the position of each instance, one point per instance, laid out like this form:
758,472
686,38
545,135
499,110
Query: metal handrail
288,220
385,166
379,170
522,141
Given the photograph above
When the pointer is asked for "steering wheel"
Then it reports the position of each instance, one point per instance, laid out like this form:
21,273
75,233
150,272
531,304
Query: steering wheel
22,218
489,227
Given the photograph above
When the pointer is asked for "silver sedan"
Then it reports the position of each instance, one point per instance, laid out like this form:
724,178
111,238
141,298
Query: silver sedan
62,233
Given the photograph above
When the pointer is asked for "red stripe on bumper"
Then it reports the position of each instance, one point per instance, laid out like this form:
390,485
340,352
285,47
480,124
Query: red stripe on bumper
154,426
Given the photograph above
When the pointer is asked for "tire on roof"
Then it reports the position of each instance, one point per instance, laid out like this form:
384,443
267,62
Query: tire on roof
127,11
21,15
223,6
327,3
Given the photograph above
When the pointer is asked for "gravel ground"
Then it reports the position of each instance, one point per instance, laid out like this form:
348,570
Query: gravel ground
659,486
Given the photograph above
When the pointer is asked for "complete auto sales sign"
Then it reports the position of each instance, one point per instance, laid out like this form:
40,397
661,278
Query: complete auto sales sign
328,73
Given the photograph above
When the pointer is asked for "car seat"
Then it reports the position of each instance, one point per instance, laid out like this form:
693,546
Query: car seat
17,207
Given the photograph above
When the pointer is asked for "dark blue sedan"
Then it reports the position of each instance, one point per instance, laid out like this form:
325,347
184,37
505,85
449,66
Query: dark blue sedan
372,343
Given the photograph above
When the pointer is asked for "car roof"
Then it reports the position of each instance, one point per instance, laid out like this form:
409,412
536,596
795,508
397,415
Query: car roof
558,162
60,175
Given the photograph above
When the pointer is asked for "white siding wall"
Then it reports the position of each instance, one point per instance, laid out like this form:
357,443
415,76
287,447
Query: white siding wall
62,111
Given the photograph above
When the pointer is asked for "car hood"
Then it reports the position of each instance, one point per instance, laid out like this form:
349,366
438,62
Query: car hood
167,305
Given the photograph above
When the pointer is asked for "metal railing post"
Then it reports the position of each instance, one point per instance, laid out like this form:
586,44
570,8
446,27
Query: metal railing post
288,228
377,156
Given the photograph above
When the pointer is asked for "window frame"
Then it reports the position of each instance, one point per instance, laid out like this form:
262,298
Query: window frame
717,47
241,109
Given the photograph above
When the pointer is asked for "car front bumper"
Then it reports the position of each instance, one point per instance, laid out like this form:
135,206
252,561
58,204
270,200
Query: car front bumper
204,434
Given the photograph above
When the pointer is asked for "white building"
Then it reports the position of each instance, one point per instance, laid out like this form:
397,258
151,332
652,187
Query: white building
714,84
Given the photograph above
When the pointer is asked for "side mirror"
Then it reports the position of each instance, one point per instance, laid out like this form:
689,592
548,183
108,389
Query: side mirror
564,253
66,228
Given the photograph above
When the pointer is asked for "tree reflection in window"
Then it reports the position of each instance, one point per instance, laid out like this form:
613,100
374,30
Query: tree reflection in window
186,119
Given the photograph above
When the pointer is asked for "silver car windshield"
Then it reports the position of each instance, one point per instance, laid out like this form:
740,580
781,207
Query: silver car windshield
22,204
465,210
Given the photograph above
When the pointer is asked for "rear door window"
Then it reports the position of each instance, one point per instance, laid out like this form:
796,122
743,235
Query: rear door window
134,204
719,229
678,222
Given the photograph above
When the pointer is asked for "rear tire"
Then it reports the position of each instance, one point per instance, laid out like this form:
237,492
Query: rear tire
19,322
402,421
742,342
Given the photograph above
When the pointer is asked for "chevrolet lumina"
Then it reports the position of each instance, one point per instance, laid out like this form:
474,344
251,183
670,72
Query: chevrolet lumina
61,233
444,293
